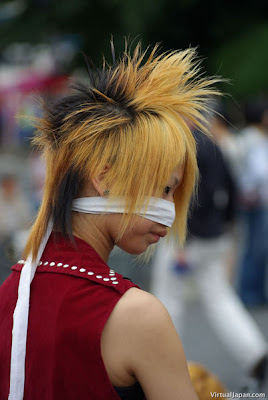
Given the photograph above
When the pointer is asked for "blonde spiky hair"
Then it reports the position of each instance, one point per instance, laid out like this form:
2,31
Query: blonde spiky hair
133,116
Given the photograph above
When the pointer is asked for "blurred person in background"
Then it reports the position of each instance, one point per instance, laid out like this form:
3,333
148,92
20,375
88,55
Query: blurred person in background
223,135
15,216
252,178
226,139
205,259
121,168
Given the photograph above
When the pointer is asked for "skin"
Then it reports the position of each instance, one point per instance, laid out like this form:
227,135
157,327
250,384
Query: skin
139,341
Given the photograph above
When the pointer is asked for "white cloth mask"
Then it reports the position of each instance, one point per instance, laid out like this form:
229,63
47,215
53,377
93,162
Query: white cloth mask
158,210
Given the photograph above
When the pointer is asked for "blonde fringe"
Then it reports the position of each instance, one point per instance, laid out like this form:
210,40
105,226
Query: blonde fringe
142,136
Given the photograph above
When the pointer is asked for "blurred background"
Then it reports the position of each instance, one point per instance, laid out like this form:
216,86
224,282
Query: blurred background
40,56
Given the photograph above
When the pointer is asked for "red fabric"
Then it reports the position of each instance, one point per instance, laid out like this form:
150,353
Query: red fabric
68,310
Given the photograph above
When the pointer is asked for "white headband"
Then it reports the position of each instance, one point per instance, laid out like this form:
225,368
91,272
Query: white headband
158,210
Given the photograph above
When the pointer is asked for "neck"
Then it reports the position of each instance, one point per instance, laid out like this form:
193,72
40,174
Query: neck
97,236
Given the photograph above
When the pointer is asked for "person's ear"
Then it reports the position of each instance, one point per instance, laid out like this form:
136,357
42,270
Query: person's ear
97,182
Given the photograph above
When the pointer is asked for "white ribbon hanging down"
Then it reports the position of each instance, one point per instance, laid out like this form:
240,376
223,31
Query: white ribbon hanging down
20,322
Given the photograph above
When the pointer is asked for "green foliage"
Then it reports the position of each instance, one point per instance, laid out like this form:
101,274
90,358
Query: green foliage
232,36
244,60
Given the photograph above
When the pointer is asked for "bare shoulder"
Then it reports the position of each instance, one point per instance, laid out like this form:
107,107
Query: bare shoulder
142,316
150,347
143,304
136,316
136,313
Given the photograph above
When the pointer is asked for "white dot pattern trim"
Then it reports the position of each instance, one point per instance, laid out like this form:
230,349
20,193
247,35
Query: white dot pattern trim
111,277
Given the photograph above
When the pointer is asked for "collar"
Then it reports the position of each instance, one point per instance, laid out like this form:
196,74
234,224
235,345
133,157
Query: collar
77,259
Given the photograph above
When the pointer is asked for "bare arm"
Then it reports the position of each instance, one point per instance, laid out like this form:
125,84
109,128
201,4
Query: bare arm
146,343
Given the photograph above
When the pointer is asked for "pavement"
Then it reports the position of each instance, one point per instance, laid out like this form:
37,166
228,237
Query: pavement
202,345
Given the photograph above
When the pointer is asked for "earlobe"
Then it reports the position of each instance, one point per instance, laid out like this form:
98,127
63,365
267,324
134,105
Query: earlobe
97,182
98,185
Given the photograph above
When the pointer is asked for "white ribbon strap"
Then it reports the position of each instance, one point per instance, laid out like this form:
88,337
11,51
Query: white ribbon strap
158,210
20,323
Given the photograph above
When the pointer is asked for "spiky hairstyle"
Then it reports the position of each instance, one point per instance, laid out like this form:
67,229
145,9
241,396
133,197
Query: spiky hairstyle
132,116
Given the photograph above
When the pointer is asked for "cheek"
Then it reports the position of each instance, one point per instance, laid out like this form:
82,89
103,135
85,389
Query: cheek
142,227
136,239
133,245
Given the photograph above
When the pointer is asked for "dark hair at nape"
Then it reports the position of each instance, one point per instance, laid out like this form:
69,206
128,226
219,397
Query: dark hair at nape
62,208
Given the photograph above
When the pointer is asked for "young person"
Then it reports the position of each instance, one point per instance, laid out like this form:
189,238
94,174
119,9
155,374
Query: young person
121,169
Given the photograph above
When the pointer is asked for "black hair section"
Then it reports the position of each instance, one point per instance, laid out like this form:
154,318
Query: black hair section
62,209
57,111
101,81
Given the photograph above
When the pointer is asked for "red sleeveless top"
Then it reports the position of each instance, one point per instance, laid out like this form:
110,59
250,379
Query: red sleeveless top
72,296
